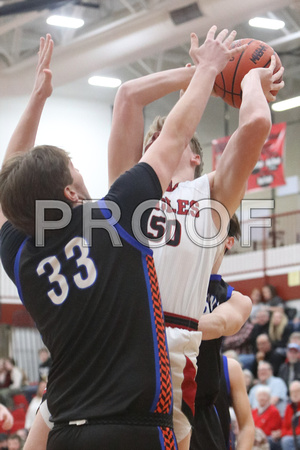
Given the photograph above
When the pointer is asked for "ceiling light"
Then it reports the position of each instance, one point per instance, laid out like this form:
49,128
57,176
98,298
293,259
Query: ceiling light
286,104
67,22
104,81
262,22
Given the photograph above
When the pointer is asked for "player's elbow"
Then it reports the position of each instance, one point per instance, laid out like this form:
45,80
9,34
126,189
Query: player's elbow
247,303
259,125
131,93
126,94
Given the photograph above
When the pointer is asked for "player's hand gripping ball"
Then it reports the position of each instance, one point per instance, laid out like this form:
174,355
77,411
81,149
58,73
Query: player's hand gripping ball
228,82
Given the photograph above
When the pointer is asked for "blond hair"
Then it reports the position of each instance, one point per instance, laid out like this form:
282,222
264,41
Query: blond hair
156,127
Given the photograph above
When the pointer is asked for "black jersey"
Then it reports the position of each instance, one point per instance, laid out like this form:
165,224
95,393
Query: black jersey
223,403
95,301
208,360
207,432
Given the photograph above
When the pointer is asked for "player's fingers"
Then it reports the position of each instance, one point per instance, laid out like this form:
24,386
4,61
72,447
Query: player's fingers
211,32
48,53
277,75
194,43
236,50
278,86
42,45
228,41
222,35
273,63
270,97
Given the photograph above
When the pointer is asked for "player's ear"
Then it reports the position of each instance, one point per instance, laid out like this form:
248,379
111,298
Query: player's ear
229,242
195,159
71,194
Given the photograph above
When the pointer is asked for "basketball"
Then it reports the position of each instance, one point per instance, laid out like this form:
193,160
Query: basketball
228,82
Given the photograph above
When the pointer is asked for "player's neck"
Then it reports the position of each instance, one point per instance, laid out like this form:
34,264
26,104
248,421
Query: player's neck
183,174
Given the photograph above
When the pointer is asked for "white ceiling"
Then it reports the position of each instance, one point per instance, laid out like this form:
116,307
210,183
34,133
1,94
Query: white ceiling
130,38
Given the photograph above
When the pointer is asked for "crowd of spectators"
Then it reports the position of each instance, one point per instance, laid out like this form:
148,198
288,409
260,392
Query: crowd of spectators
268,349
20,399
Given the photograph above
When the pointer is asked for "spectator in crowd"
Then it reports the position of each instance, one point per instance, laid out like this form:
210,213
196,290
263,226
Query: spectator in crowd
290,430
265,352
249,379
295,337
18,410
261,326
241,344
266,416
14,442
23,433
276,384
5,380
17,376
257,303
34,405
290,369
3,441
45,363
271,298
279,329
295,321
260,441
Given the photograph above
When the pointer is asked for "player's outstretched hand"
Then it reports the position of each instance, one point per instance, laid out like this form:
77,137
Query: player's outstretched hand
43,78
271,82
216,51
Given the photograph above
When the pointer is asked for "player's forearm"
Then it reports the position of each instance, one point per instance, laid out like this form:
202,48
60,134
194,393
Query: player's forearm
227,319
245,437
145,90
126,139
184,118
255,110
24,135
212,325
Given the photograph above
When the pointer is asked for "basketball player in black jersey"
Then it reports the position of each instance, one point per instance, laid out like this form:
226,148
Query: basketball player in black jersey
94,296
225,312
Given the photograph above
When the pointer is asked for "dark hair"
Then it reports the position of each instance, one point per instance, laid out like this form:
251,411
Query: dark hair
40,174
15,436
272,289
234,227
196,148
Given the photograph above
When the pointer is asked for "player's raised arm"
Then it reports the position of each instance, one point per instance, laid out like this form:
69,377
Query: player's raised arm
23,137
180,125
243,149
126,138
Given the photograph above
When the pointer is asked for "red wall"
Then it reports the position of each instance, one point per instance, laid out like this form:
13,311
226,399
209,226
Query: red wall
280,282
15,315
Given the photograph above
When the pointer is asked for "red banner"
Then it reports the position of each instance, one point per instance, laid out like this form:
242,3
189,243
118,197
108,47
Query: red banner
269,171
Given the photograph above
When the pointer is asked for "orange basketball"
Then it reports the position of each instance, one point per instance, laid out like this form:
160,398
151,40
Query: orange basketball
228,82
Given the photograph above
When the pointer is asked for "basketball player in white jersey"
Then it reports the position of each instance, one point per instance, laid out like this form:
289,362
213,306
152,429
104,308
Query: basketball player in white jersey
183,258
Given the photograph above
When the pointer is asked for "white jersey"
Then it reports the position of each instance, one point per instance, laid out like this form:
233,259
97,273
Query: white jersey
185,253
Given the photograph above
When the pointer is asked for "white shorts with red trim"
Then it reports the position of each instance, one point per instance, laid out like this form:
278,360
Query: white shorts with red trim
183,350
